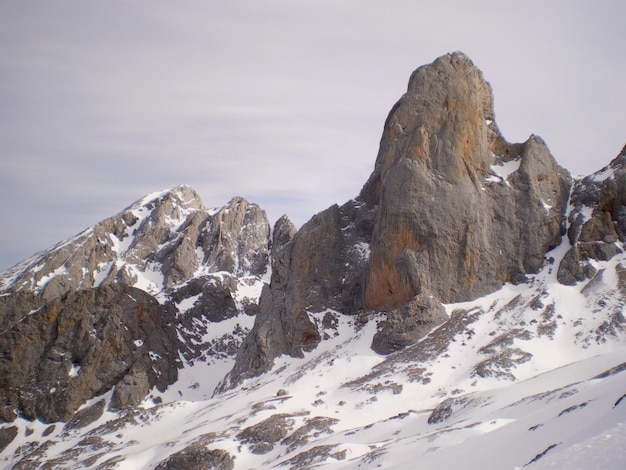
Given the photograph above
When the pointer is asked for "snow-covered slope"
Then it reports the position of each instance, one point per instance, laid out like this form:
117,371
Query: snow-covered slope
531,375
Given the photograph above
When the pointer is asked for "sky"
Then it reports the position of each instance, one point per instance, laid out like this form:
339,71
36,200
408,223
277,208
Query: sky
280,101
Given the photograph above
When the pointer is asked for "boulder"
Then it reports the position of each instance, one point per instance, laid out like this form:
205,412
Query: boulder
409,323
197,457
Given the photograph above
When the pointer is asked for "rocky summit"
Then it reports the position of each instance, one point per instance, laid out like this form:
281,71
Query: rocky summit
471,295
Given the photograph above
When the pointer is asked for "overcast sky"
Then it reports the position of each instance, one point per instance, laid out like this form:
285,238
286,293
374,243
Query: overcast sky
282,102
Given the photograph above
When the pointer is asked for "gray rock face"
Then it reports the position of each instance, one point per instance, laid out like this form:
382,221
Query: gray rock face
7,434
56,355
596,222
322,266
86,416
451,209
236,239
283,233
215,300
451,220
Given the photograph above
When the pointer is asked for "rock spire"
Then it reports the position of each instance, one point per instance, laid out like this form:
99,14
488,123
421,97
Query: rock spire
450,213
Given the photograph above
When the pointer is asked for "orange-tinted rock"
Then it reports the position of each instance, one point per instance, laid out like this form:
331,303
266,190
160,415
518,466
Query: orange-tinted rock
446,221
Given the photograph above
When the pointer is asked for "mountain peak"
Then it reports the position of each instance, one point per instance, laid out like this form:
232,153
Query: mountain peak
182,195
444,122
137,288
168,232
437,187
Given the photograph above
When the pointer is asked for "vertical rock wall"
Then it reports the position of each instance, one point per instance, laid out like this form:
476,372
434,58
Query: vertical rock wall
447,221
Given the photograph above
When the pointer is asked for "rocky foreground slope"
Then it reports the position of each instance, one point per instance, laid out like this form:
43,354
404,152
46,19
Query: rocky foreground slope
472,295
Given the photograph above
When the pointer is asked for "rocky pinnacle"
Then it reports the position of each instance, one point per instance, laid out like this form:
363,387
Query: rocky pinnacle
451,212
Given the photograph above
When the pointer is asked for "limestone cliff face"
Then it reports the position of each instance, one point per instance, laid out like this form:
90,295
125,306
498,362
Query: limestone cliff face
451,212
447,220
320,267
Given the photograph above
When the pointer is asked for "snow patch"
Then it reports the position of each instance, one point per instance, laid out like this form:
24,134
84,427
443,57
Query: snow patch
187,303
45,279
546,206
505,169
363,249
602,175
74,370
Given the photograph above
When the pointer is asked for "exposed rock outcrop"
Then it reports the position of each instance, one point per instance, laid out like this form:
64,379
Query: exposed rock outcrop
7,434
451,209
237,239
262,436
322,266
214,298
596,222
198,457
450,219
56,355
86,416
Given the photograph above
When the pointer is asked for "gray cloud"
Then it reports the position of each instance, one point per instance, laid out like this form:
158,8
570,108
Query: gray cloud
282,102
